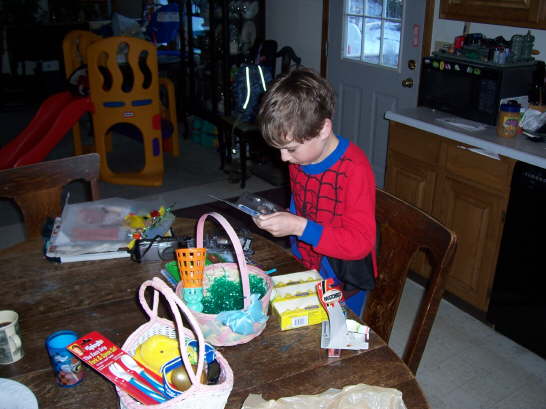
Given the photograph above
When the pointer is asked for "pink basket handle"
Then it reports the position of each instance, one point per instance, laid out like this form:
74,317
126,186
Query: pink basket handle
176,305
236,246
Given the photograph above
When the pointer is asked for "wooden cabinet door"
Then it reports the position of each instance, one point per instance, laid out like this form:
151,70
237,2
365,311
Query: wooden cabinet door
476,216
520,13
411,180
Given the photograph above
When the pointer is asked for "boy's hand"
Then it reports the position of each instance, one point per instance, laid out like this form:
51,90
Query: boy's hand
281,224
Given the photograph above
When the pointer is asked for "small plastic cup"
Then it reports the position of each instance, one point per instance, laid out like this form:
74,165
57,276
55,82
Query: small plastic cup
67,368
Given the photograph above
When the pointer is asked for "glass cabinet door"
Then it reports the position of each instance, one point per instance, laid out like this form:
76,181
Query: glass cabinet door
221,35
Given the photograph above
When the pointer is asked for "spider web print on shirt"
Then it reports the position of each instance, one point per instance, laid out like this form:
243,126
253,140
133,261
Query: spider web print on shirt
319,198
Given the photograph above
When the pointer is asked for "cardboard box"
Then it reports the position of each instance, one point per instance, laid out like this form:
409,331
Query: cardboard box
294,300
299,311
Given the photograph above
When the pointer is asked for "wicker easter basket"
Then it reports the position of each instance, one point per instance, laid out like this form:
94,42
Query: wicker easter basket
198,396
214,331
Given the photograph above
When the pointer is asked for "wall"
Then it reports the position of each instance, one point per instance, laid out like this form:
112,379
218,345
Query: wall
447,30
298,24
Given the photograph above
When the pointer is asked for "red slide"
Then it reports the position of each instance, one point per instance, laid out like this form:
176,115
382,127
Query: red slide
56,116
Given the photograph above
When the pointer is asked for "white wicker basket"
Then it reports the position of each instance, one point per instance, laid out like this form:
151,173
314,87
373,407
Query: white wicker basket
198,396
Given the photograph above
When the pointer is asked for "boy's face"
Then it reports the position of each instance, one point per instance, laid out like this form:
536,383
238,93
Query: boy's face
311,151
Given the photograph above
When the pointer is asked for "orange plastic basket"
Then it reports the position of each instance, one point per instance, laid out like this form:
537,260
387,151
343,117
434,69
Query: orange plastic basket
191,264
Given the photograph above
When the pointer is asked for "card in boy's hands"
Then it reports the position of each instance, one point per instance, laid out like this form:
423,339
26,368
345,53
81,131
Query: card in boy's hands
253,205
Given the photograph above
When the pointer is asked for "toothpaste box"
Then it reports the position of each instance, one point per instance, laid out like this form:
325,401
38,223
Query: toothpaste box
294,300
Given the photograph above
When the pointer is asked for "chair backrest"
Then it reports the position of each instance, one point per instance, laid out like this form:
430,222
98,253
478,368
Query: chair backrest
288,59
37,188
404,230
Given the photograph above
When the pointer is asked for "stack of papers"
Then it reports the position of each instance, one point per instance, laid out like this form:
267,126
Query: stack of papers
72,253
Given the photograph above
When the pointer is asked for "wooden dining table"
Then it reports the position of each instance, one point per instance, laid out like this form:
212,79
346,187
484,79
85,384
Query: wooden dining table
102,296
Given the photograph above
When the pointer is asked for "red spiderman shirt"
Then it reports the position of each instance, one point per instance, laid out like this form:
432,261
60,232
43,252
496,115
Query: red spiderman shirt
337,197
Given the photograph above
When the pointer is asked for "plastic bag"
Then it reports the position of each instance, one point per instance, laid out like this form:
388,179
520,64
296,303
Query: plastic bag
98,226
533,120
359,396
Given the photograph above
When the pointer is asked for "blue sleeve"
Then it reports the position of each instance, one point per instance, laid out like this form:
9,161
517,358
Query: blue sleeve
313,231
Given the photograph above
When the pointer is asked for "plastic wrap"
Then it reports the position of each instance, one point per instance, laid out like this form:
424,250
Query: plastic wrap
533,120
98,226
359,396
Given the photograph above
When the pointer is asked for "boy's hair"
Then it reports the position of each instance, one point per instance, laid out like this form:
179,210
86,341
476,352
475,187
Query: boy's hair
295,106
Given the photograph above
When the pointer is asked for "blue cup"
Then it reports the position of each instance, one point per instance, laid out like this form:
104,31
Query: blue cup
68,369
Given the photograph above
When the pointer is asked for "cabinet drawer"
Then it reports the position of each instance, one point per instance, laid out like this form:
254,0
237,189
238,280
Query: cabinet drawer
493,173
415,143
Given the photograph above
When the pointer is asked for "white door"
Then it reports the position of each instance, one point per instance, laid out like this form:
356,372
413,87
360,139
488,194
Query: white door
370,46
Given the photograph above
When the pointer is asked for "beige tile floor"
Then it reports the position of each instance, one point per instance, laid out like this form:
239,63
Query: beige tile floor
466,365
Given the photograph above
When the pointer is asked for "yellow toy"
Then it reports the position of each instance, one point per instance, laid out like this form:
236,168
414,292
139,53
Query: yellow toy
124,87
156,351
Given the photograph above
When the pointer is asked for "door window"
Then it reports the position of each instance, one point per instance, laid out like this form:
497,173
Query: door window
372,31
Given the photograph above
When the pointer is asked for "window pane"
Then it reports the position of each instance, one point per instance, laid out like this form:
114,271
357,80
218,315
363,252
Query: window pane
391,43
394,9
374,8
355,7
354,37
372,40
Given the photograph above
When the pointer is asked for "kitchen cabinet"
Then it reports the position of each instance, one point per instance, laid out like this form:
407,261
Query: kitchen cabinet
465,190
519,13
220,36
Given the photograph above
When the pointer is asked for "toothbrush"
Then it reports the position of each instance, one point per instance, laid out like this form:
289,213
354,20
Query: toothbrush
130,363
119,372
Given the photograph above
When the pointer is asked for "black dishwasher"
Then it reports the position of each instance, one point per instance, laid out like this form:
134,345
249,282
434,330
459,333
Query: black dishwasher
518,298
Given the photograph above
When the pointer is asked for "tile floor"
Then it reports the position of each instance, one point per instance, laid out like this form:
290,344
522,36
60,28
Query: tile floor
466,364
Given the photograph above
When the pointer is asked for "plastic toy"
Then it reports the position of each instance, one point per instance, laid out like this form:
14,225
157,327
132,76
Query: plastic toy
54,118
191,264
156,351
124,88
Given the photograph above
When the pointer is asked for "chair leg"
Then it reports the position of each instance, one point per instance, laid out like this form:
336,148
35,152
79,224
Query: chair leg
222,137
242,159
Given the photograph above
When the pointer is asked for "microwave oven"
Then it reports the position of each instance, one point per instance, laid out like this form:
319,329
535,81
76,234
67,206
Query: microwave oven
471,90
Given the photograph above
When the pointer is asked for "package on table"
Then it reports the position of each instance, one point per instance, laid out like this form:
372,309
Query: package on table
295,301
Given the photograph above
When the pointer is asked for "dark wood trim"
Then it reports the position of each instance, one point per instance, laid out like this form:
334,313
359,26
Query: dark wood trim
427,29
324,37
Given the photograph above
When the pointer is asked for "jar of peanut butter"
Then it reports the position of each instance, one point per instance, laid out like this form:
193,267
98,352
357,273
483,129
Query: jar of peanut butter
508,119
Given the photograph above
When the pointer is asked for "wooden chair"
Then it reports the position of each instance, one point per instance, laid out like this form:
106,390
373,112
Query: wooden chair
37,188
404,230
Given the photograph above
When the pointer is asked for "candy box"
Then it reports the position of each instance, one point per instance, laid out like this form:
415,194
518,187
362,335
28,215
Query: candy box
295,301
299,311
295,278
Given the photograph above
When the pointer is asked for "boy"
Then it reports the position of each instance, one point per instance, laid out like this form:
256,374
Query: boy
332,210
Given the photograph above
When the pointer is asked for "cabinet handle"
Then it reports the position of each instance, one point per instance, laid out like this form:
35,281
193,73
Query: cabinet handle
480,151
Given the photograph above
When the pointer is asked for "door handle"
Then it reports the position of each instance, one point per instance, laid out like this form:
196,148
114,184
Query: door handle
412,64
408,83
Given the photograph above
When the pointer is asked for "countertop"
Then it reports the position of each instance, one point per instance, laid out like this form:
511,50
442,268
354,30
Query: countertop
519,147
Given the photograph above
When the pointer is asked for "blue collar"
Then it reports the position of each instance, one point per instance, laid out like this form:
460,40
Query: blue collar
316,168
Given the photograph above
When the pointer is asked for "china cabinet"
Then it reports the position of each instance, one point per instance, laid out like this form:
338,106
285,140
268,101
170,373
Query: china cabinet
220,36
